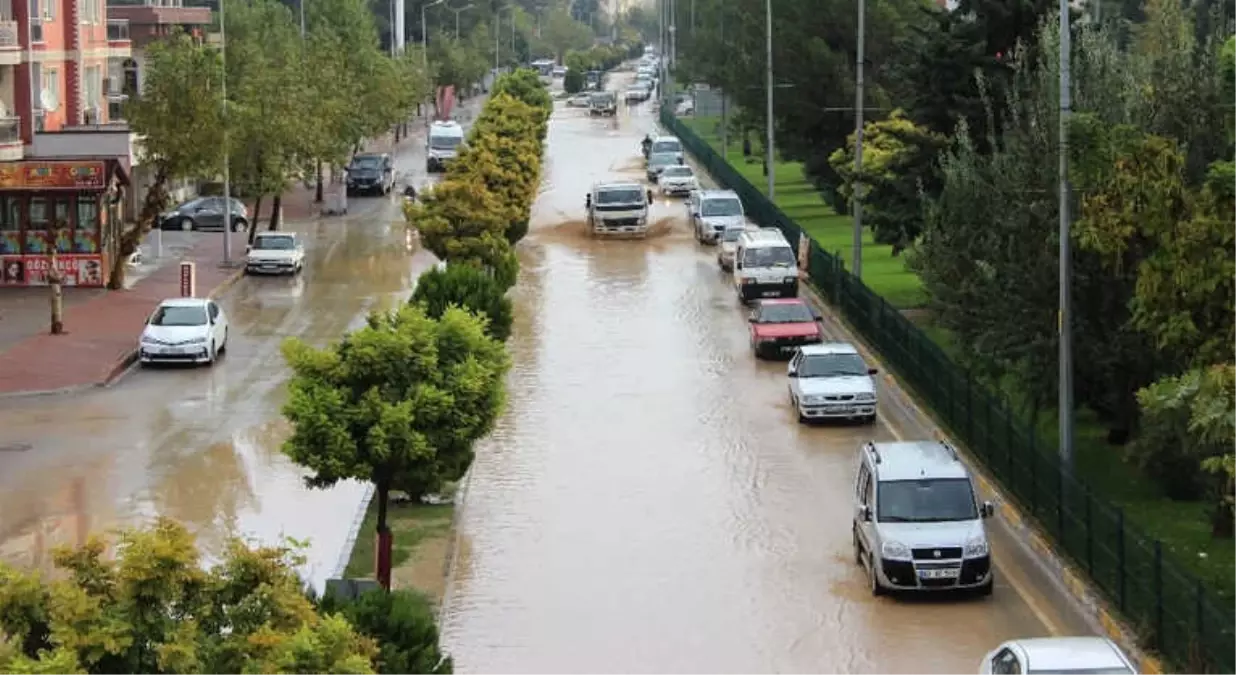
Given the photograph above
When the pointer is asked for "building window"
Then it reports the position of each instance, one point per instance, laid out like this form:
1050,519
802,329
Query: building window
94,92
51,83
86,235
89,10
10,225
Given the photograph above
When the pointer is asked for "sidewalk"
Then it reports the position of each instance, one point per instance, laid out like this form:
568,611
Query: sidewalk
101,333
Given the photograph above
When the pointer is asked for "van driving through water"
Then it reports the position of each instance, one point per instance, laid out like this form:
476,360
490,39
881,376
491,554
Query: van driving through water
445,139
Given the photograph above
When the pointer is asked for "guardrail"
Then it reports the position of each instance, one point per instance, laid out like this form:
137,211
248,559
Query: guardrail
1171,610
117,30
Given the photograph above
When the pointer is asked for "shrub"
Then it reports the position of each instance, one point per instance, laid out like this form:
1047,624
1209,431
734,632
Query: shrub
403,624
470,288
573,82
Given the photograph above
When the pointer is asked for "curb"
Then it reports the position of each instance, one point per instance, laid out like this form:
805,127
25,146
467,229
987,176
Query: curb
349,544
1093,604
122,365
452,551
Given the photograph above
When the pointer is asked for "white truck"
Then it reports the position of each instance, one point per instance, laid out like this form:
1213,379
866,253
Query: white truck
603,103
445,139
618,209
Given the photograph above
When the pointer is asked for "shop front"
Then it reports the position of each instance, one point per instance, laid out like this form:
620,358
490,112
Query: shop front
62,214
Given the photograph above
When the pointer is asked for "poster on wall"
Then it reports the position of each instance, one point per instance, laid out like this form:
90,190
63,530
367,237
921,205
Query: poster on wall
33,270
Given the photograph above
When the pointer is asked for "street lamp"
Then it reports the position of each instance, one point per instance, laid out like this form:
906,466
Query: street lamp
227,174
857,197
425,34
457,13
498,33
768,113
1064,319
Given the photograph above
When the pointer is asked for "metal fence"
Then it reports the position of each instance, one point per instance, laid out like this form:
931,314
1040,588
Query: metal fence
1169,608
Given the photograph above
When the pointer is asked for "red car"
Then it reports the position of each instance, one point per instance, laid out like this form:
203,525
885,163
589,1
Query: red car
780,326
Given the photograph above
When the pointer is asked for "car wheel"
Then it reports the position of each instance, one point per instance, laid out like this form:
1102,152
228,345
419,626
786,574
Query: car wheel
870,419
986,589
798,410
873,577
214,354
858,550
186,224
223,345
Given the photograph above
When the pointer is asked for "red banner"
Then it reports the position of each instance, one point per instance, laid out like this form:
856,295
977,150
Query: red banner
33,270
53,176
446,101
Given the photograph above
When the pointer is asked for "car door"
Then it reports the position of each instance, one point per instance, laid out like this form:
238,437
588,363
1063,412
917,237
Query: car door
210,212
218,322
388,171
865,504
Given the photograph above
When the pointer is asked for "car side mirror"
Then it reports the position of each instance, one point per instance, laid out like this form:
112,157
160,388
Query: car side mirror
751,319
816,315
248,249
588,201
650,196
864,513
873,371
791,371
989,509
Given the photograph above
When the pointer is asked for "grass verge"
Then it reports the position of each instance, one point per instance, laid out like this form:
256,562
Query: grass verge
1183,527
798,198
422,534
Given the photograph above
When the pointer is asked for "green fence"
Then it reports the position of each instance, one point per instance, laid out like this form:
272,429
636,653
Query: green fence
1171,610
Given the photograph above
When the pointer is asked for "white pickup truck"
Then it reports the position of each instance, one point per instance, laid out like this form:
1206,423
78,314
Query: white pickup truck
275,253
618,209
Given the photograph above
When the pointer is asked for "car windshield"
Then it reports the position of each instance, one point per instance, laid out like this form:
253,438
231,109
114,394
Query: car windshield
678,172
784,312
662,160
366,162
772,256
832,365
932,500
721,207
622,196
671,145
274,244
445,142
173,315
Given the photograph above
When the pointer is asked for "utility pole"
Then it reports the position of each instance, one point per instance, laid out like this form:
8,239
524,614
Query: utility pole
227,173
1065,317
725,122
425,32
302,18
673,50
457,12
857,197
768,112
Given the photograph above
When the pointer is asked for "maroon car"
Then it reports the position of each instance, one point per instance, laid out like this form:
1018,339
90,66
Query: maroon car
780,326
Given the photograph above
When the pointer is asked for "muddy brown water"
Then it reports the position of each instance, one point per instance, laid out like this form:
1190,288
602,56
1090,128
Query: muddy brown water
649,503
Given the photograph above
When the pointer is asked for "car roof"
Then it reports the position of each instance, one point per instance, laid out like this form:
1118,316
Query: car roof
666,138
765,236
268,233
912,460
1059,654
718,194
823,348
619,186
184,302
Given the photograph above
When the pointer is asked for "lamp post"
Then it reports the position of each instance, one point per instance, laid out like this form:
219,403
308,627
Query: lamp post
498,33
768,112
425,33
1065,317
857,197
457,13
227,174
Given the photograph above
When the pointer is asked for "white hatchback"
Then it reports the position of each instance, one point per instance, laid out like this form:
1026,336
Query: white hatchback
1078,655
184,330
831,381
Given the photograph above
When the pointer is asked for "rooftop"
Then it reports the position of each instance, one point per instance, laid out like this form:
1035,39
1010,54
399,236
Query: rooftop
1062,654
911,460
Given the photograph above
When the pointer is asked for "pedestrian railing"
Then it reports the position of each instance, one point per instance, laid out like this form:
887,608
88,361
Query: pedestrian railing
1171,610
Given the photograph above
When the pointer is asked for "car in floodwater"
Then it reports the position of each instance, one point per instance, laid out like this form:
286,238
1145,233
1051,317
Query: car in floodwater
780,326
184,330
658,162
1067,655
831,381
677,180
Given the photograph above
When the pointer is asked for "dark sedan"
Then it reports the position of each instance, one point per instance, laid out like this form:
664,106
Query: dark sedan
205,213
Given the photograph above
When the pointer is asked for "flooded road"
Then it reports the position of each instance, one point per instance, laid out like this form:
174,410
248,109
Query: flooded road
202,445
649,503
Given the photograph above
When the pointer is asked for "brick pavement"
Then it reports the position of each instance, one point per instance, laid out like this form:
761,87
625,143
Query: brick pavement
101,334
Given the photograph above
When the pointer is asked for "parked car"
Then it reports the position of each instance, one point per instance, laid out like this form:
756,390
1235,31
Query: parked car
275,253
371,172
781,325
1057,655
184,330
204,213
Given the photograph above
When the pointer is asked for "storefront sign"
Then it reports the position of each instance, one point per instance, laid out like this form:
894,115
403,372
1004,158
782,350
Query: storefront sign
33,270
53,176
188,279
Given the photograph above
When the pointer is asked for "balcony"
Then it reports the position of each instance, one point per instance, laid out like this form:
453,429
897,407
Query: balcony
10,43
119,43
11,148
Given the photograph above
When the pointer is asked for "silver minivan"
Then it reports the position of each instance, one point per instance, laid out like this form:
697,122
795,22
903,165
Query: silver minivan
918,524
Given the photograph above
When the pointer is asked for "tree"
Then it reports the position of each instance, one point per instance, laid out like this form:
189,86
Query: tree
460,220
899,164
155,609
179,118
468,288
398,403
403,625
562,33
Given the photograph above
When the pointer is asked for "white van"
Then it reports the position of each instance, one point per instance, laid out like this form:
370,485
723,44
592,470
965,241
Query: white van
765,266
445,139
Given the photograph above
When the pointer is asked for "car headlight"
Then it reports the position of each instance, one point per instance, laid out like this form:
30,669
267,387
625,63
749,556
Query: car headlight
146,340
816,399
791,280
748,280
643,220
976,547
198,341
894,550
866,397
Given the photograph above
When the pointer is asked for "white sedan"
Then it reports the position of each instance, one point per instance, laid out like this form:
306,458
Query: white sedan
579,101
677,180
1088,655
184,330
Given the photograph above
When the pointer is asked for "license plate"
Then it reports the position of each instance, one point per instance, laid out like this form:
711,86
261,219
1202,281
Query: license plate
951,573
769,294
176,350
268,267
844,410
788,348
